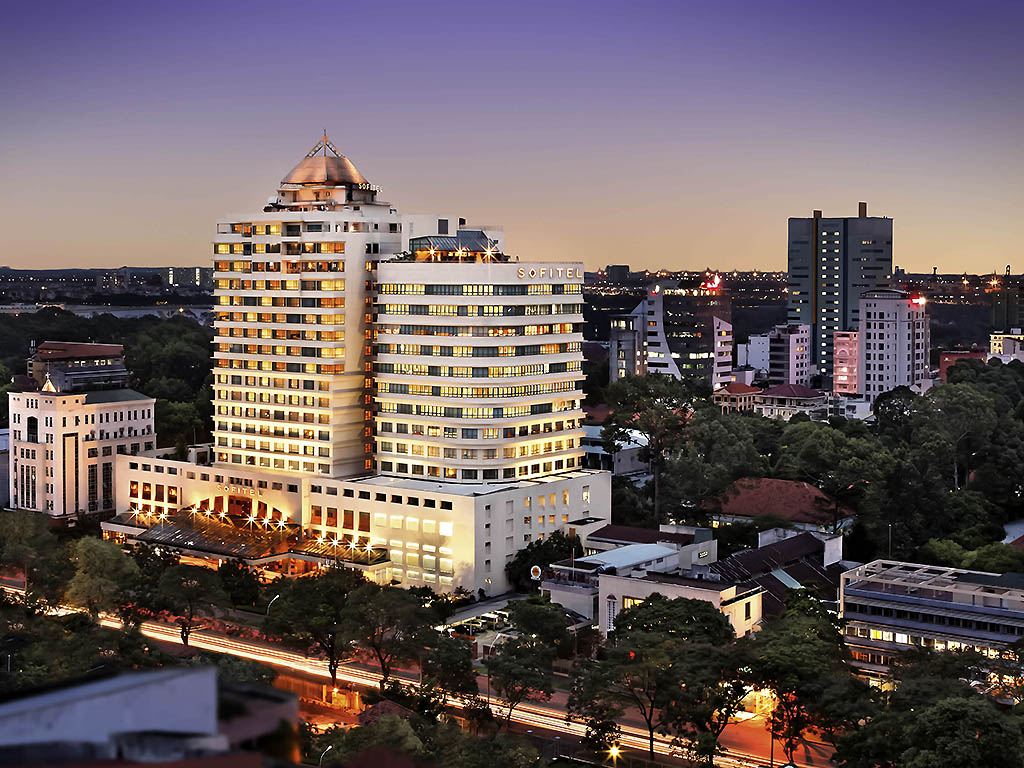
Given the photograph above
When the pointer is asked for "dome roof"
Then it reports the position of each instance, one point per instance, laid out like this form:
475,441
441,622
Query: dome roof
329,168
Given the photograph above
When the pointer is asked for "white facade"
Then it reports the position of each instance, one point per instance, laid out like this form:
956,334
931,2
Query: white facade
754,353
893,342
478,369
741,604
723,353
63,447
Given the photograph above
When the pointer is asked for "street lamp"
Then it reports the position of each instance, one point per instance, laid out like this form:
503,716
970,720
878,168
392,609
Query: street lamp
271,603
324,753
614,752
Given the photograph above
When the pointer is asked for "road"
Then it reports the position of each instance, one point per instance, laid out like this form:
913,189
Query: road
747,742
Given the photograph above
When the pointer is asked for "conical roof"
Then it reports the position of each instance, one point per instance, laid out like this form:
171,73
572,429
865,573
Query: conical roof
324,166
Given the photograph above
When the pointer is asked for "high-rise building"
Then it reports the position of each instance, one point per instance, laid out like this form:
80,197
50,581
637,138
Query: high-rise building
832,261
789,355
72,417
392,392
893,342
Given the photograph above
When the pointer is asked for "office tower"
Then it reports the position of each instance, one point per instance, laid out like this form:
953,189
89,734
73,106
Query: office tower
832,261
689,330
73,416
393,393
894,342
846,370
789,355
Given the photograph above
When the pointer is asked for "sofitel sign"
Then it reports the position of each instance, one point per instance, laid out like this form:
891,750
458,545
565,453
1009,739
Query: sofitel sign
551,272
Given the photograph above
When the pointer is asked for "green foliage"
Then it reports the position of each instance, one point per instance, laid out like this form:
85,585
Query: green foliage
191,592
539,619
540,552
800,659
170,359
448,666
389,624
240,582
933,717
102,572
680,619
29,547
311,614
518,671
657,407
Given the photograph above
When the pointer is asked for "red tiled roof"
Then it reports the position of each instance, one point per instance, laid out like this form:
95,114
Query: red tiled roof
64,350
1018,543
792,390
790,500
385,707
737,388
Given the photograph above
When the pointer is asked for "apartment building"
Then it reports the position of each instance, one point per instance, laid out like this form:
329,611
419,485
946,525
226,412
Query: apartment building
893,344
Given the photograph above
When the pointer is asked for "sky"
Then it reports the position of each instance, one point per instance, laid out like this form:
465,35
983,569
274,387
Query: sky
673,135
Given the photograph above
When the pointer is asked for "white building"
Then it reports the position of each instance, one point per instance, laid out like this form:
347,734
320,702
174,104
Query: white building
754,353
789,355
893,342
65,436
408,405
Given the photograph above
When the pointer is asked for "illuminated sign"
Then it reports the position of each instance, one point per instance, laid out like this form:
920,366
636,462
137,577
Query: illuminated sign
705,553
569,273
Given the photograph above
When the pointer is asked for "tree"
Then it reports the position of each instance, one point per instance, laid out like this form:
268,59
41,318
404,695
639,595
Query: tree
657,407
967,733
633,672
713,681
241,584
539,619
28,545
540,552
448,666
680,619
140,598
518,671
311,613
191,592
798,657
389,623
965,417
102,572
639,668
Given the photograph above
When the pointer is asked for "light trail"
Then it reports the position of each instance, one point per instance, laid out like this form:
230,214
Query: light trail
525,714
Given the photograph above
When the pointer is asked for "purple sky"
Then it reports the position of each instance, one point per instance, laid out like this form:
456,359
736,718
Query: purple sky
659,134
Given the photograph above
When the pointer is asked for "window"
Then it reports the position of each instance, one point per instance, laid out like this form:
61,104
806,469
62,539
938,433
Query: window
445,529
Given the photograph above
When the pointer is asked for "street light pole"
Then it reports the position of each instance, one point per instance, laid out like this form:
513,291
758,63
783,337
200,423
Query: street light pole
271,603
329,748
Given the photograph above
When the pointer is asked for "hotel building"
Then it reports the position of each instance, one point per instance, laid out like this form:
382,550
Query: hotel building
405,400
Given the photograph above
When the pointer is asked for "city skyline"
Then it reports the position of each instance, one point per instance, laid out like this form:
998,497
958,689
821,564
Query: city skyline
720,122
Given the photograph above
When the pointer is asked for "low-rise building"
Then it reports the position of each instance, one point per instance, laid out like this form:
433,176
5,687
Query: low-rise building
787,400
741,603
800,505
736,396
951,357
415,532
891,606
